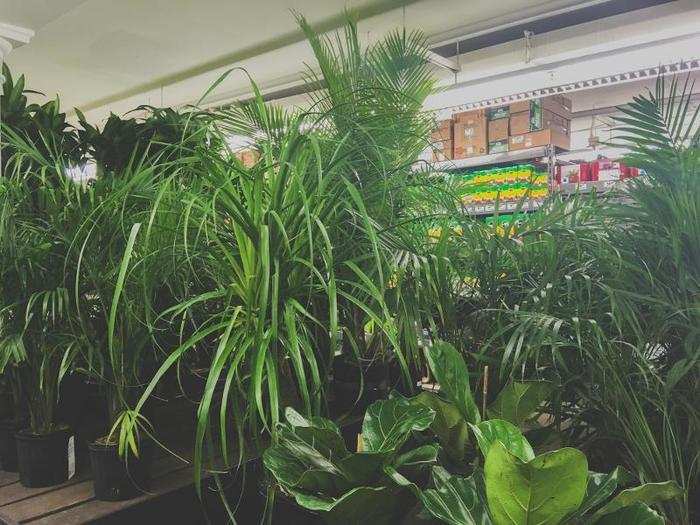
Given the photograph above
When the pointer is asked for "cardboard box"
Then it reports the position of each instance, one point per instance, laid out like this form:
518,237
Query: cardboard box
498,130
470,117
498,146
443,150
470,134
442,143
557,104
527,121
542,137
444,131
523,122
498,112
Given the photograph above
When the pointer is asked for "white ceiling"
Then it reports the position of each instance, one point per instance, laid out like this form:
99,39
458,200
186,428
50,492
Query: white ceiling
102,55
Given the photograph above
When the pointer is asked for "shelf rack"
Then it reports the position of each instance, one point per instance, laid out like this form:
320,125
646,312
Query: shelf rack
486,160
547,155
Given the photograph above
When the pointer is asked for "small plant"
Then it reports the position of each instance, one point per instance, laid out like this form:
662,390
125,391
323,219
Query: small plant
312,464
518,488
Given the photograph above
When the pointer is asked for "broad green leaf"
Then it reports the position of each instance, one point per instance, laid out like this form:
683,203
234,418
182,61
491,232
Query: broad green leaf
541,491
295,419
519,400
649,493
310,458
363,468
455,500
310,473
600,486
418,457
389,422
370,505
489,432
635,514
449,426
452,374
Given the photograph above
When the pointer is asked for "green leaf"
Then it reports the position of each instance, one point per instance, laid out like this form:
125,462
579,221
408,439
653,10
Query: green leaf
380,505
489,432
649,493
455,500
389,422
635,514
541,491
451,372
295,419
449,426
519,400
417,457
600,486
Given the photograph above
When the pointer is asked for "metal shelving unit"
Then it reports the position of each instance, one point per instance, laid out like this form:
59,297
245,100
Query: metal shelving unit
479,210
599,186
547,155
492,159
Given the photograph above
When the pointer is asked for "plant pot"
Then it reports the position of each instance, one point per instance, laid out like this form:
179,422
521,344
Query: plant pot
8,446
116,478
42,459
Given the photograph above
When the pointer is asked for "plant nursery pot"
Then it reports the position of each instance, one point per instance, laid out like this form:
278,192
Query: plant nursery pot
8,446
114,478
42,459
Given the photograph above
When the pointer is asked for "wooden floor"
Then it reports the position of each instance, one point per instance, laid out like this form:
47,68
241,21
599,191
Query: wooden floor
74,502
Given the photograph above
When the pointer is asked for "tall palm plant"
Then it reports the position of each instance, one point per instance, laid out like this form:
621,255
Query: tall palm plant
36,344
290,245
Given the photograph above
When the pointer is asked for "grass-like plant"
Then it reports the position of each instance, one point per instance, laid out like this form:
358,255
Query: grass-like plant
290,247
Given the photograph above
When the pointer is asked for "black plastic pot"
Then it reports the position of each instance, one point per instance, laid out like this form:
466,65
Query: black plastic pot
115,478
42,460
8,446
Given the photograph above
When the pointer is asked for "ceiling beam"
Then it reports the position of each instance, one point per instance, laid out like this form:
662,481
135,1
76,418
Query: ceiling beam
229,59
16,35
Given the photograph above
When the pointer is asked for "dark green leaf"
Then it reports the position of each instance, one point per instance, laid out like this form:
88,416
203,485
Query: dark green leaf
649,493
635,514
388,423
455,500
451,372
449,426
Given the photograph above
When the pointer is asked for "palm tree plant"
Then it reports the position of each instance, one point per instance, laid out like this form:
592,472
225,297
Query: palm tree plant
36,344
289,247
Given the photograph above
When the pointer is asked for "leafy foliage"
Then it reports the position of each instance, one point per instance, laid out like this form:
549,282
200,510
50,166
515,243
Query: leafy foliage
311,463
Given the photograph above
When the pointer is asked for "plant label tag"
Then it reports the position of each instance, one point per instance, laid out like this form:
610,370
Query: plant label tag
71,457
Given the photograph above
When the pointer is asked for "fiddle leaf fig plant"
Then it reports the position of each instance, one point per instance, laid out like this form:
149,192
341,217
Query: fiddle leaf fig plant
456,411
311,463
552,488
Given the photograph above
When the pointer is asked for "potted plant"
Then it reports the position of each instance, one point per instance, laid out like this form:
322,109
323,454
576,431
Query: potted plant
13,416
43,454
117,358
122,288
312,465
36,346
